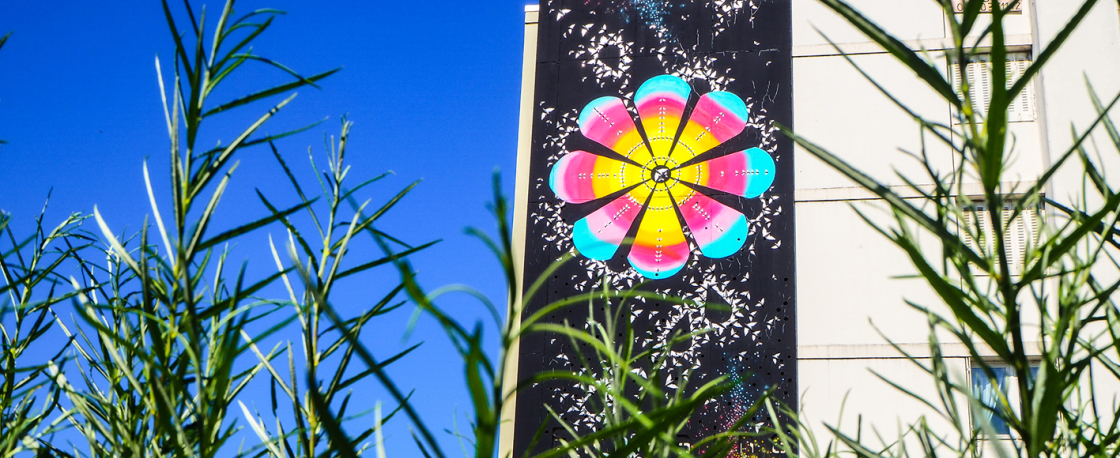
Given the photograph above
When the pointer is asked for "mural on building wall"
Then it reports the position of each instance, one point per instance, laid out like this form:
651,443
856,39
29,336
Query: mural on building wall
656,161
661,177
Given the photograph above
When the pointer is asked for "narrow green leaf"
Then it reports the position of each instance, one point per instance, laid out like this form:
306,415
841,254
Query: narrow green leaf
209,154
381,261
267,93
180,49
340,442
199,182
280,66
246,228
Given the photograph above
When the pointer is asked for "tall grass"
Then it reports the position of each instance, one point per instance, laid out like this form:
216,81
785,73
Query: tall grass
165,331
317,267
32,286
163,344
160,336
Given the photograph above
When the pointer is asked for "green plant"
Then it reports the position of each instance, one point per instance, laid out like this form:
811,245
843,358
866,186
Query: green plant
160,338
163,344
32,286
165,341
645,424
1062,277
317,427
29,266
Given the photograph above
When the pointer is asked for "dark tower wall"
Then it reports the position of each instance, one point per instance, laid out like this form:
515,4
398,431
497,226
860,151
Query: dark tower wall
590,49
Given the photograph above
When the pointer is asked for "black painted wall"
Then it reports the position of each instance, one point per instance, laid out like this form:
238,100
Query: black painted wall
594,48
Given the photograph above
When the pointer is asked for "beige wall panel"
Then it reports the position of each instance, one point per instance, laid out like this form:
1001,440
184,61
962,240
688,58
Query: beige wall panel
1090,52
906,19
825,383
1027,160
1107,390
837,108
844,276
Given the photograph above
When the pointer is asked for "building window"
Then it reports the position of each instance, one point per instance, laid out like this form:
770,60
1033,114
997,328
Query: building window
988,390
979,75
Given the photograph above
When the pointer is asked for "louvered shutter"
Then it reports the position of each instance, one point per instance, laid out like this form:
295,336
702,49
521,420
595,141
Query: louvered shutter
1021,236
979,74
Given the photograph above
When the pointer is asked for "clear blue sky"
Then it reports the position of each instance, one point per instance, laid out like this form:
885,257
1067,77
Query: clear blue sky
432,87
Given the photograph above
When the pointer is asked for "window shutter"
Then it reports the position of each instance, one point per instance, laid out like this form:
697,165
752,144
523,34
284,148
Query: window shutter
1021,235
979,75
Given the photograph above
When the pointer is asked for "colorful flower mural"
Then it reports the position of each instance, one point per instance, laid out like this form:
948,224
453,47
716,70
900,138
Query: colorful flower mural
663,176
